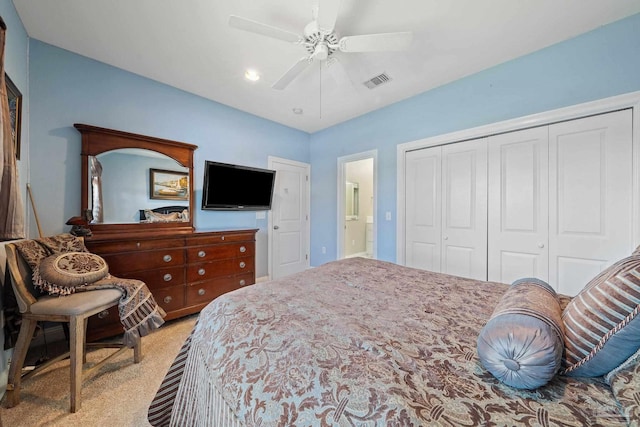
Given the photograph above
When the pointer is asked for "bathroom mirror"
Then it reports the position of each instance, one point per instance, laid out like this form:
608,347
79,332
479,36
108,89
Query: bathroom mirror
124,174
352,202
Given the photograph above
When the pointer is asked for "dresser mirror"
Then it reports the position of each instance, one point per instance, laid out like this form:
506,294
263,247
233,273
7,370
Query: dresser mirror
129,181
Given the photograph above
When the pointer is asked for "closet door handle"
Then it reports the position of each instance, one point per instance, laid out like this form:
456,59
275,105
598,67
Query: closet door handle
446,237
541,245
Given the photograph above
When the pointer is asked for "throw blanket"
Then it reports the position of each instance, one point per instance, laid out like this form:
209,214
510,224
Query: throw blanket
139,312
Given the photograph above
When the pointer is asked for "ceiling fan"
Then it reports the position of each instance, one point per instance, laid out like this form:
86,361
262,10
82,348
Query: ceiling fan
320,39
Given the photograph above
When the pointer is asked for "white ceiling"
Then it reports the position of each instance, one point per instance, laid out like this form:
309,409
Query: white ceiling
188,44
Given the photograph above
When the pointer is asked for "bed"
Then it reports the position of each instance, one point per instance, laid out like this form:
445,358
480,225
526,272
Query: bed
360,342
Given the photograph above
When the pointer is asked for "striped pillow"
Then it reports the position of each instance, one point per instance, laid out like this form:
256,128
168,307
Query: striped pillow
602,325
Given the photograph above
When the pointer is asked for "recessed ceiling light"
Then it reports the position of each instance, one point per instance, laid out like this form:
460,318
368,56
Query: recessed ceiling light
252,75
297,111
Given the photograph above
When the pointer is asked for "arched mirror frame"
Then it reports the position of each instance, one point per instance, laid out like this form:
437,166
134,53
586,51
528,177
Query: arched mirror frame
96,140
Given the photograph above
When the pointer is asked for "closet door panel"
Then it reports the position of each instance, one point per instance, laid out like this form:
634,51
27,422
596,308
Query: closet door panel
464,213
590,197
423,209
518,205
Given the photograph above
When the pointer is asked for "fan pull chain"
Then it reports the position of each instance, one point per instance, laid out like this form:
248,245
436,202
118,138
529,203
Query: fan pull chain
320,96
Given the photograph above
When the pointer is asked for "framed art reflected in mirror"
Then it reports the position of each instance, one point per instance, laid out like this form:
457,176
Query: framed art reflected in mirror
168,185
15,111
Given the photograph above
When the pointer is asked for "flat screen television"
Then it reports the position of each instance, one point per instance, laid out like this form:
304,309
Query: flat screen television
235,187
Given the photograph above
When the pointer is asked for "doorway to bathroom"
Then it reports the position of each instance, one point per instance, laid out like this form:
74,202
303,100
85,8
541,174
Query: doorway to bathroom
357,195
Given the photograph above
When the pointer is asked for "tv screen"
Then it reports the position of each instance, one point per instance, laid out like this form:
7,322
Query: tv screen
235,187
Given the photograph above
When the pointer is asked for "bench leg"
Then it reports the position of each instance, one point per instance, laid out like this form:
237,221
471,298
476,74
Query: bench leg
27,328
76,333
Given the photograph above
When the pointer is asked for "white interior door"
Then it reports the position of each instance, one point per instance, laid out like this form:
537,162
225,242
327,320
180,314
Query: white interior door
464,209
590,203
289,232
518,205
423,209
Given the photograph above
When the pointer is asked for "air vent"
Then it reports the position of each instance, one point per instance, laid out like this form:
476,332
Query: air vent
377,81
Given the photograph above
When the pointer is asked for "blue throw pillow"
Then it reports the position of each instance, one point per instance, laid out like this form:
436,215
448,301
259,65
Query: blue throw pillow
523,341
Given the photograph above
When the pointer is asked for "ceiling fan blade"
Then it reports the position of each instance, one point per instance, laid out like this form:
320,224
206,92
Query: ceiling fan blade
292,73
327,15
263,29
376,42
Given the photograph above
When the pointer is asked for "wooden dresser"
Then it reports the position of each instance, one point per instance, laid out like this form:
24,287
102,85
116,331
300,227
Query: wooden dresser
184,272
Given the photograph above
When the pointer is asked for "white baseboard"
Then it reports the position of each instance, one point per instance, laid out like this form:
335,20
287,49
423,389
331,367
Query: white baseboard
262,279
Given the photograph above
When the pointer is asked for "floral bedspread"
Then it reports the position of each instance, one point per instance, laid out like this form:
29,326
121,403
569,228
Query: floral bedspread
361,342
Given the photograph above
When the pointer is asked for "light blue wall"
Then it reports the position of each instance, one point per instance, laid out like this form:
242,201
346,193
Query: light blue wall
67,88
601,63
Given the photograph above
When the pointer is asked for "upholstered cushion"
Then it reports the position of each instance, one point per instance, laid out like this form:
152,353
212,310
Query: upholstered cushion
62,273
77,303
522,343
601,323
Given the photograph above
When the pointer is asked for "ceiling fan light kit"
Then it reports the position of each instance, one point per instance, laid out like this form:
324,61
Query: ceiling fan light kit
320,40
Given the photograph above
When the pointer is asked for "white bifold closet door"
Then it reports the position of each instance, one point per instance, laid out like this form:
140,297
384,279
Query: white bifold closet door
552,202
590,197
446,209
518,242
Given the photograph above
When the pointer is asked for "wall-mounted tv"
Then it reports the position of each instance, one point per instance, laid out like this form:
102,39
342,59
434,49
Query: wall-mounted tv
235,187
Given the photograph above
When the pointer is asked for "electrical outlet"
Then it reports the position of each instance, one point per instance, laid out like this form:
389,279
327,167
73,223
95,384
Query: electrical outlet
387,216
324,250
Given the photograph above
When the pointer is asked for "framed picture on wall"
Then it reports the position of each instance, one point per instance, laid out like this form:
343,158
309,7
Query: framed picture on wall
168,185
15,112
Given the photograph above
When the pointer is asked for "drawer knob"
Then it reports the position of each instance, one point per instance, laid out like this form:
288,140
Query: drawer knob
242,264
201,291
103,314
167,299
167,277
243,249
202,254
166,258
243,282
201,272
137,244
222,238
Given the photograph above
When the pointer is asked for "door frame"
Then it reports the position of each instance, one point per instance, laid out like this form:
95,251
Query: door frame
307,202
341,178
605,105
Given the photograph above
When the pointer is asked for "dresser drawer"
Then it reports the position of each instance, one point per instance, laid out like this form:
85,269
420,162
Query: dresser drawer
213,252
226,267
220,238
127,262
203,292
157,278
169,299
133,245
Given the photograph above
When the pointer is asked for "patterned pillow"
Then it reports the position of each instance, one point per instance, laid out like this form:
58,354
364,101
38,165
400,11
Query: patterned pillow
152,216
61,274
602,325
522,343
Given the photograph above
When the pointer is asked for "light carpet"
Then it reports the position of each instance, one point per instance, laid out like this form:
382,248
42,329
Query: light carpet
118,394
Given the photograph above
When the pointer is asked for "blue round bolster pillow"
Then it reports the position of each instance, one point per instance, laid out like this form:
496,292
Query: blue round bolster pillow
523,341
